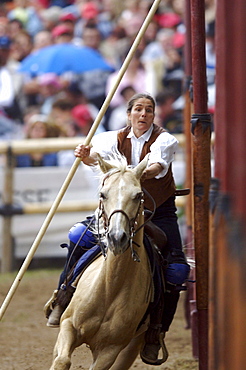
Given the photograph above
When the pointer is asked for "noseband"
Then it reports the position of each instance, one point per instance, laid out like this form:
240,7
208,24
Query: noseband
106,219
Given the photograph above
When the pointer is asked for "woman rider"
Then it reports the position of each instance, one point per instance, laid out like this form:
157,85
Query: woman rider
139,137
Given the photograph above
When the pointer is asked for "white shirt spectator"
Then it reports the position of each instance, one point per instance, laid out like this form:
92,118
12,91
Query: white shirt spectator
6,88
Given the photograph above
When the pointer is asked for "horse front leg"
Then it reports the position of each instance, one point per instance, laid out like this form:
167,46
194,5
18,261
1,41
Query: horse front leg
129,354
104,358
64,347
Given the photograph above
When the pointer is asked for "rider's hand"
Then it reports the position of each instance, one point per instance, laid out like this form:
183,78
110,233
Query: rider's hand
82,151
150,172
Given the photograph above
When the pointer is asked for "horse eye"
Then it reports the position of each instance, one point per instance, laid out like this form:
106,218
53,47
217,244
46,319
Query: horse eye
102,196
139,195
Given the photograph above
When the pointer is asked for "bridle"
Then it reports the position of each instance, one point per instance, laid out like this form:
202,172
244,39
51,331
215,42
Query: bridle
131,222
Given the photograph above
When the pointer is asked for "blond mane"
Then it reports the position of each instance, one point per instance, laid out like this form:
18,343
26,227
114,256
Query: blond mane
118,163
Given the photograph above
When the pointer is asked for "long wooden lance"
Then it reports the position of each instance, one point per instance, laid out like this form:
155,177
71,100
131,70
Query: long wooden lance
77,161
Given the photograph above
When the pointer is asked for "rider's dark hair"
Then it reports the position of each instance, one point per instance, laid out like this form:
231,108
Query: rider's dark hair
135,97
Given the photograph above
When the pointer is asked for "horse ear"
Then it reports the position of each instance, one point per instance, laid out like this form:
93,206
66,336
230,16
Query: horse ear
104,166
138,170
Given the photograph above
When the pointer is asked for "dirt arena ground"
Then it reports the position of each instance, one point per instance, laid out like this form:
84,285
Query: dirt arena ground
26,343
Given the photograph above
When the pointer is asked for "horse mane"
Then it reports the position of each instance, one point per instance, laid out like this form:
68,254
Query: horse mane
119,163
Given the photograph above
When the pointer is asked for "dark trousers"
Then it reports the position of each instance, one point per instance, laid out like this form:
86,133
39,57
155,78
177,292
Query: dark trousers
166,218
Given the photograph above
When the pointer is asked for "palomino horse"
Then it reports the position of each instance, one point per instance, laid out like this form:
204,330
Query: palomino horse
114,292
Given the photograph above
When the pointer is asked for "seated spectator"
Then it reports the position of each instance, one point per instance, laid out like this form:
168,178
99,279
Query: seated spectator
164,59
75,95
210,52
38,127
135,76
167,116
62,34
44,90
50,85
93,82
15,26
117,119
21,46
6,83
84,120
69,20
42,39
27,12
90,15
10,110
50,17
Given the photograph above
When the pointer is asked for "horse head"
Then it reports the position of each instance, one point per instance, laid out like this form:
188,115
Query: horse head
121,199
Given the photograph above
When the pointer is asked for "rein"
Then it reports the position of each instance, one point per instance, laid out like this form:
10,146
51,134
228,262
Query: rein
152,214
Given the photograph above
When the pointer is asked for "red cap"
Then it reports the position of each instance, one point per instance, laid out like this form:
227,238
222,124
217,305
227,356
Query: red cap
89,11
81,115
169,20
61,29
68,17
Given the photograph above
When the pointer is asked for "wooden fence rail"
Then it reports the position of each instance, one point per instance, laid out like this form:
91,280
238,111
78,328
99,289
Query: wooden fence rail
8,209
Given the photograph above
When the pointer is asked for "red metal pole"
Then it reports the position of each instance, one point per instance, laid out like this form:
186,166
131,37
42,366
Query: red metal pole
190,302
227,350
201,129
187,110
230,149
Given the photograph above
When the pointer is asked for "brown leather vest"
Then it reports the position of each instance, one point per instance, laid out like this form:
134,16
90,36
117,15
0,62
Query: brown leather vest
160,189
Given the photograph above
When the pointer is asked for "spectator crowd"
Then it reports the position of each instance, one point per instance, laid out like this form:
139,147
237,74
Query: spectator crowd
36,104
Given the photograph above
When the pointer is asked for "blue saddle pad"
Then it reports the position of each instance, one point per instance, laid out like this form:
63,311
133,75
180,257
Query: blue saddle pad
85,260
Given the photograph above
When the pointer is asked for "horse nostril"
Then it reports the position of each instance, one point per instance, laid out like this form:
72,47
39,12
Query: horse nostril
117,239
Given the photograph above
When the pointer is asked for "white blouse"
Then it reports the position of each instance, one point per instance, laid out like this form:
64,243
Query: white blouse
161,151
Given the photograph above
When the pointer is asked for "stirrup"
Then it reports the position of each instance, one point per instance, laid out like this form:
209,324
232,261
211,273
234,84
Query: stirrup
163,348
158,361
49,305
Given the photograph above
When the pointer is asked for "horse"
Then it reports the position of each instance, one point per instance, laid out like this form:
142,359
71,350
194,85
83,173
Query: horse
113,295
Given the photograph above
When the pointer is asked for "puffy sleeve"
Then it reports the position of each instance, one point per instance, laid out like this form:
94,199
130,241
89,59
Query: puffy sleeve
163,151
105,143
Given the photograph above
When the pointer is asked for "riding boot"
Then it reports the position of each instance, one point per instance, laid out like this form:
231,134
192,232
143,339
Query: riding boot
62,300
54,318
49,305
